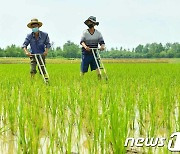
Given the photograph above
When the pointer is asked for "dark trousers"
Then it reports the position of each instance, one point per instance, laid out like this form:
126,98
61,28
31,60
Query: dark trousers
34,63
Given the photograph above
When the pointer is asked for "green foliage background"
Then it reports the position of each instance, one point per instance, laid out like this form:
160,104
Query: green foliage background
72,50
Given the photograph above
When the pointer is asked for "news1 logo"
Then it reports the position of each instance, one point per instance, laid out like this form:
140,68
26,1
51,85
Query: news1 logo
173,144
176,146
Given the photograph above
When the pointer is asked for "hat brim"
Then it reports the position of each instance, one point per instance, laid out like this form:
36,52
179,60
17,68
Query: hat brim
96,23
29,25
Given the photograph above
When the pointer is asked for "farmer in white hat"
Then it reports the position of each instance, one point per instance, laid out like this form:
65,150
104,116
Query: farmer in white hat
90,39
39,43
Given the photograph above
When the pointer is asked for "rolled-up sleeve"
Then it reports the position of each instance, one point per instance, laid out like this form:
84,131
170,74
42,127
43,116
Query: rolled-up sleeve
26,42
47,42
83,38
101,40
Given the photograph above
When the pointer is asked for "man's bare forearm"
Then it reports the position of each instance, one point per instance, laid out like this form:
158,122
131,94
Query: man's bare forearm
46,51
84,45
26,51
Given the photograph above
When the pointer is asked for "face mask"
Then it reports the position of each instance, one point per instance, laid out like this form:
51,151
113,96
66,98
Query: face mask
90,25
36,29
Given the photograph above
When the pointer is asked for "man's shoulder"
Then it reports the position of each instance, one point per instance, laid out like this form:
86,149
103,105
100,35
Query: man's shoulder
85,31
97,31
43,33
29,35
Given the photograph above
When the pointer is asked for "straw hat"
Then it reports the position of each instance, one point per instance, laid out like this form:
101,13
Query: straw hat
34,21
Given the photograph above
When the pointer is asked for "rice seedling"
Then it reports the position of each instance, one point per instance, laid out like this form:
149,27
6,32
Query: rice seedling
85,115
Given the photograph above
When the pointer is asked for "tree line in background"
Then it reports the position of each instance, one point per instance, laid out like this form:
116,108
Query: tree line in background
72,50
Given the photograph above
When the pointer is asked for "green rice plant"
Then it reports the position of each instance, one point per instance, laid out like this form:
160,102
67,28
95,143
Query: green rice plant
85,115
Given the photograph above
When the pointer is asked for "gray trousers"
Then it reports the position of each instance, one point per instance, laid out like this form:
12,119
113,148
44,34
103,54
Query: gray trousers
34,63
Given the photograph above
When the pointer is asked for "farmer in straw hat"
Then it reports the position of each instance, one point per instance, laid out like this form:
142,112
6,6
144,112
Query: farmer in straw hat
90,39
39,43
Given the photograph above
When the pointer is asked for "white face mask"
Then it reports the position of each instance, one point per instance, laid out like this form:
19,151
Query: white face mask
36,29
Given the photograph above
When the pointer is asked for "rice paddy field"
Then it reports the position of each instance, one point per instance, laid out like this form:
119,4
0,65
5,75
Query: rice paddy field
85,115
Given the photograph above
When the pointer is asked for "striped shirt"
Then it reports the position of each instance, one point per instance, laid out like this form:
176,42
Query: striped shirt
91,40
